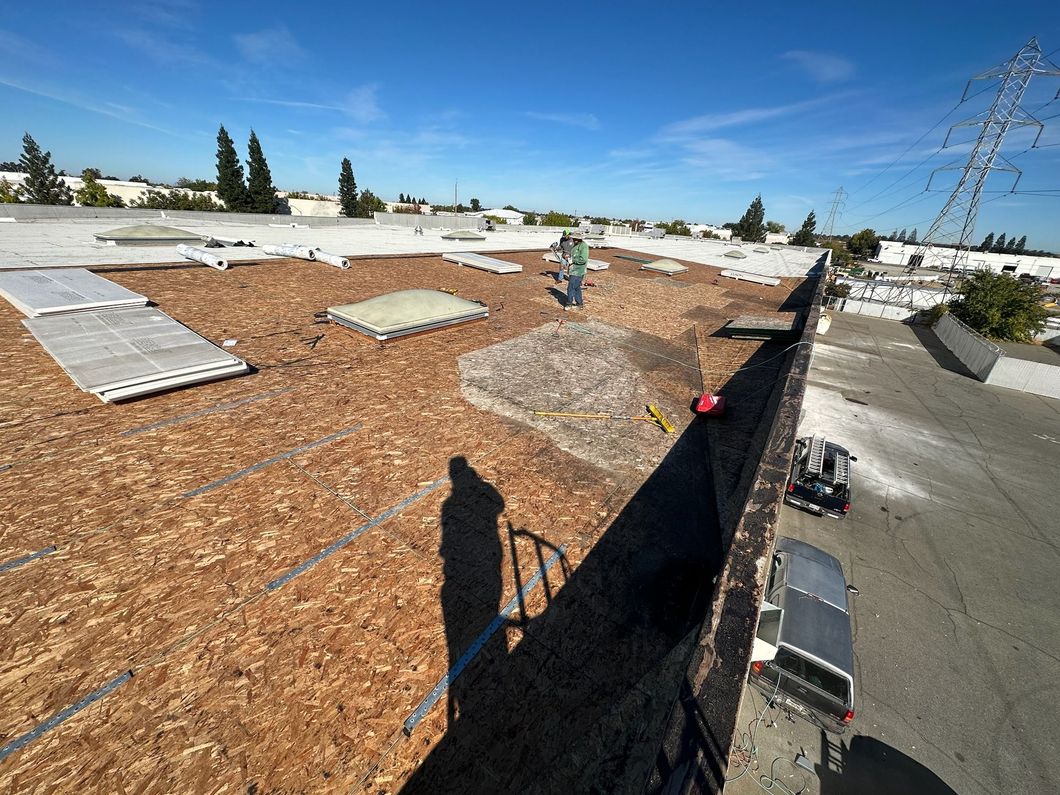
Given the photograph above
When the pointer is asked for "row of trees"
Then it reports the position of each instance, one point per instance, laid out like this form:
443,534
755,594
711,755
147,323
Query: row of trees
902,237
1004,245
408,198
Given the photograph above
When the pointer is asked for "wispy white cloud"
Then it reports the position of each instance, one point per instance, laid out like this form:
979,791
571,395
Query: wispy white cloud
114,111
727,160
169,53
696,125
822,67
587,121
269,46
361,104
177,14
18,49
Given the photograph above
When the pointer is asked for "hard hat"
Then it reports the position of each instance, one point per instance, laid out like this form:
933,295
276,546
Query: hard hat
566,231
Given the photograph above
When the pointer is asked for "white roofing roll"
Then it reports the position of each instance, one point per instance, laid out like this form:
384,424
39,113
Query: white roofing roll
205,257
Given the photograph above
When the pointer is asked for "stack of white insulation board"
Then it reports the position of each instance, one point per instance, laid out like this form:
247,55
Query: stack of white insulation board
593,265
483,263
406,312
125,353
62,290
747,276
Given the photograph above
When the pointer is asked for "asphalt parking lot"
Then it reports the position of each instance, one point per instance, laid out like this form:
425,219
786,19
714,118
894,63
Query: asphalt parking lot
953,540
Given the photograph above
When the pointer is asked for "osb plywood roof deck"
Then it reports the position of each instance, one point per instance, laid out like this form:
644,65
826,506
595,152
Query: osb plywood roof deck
165,554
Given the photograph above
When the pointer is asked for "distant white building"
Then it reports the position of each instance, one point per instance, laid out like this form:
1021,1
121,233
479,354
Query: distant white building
889,252
698,230
510,217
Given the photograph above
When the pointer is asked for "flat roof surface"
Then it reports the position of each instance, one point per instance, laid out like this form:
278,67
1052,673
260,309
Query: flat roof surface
289,562
65,243
1031,353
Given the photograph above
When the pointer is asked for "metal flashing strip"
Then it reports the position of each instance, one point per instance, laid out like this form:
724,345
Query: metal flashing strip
62,716
262,464
212,410
14,564
279,582
421,711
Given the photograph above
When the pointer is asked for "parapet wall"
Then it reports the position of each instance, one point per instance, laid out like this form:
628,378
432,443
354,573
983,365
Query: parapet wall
695,749
37,212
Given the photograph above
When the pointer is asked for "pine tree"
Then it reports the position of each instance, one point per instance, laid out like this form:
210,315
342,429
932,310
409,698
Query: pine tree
347,189
401,198
422,200
1010,246
805,235
894,235
912,236
988,242
901,236
751,226
41,185
999,244
260,190
1021,245
231,188
92,194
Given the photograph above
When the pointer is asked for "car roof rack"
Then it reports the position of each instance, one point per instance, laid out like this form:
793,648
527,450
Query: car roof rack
815,462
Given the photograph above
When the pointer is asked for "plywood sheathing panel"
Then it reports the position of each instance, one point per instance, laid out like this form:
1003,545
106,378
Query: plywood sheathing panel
138,567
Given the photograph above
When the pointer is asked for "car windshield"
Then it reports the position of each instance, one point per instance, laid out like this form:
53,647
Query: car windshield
812,674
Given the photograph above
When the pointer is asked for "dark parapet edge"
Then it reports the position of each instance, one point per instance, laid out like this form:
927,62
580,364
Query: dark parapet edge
693,755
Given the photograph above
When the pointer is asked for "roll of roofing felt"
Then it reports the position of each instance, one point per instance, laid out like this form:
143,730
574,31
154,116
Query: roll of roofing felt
331,259
291,250
205,257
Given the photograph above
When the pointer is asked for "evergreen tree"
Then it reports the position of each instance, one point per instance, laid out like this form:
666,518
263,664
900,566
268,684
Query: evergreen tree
368,203
231,188
894,235
260,190
912,236
999,244
476,206
751,227
901,236
347,189
92,194
401,198
423,200
988,242
8,192
1021,245
41,185
805,235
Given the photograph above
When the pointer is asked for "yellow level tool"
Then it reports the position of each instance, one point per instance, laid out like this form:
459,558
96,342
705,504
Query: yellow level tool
654,416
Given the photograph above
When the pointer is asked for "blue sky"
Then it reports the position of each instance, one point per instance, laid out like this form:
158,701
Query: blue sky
620,109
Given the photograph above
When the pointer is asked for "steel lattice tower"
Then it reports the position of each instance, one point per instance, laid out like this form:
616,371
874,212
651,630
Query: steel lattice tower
833,215
955,223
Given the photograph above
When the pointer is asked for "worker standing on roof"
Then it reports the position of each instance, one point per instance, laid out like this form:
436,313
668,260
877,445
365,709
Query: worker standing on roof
579,261
566,243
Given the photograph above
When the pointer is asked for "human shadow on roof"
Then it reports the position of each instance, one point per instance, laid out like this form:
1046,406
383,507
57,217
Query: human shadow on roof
867,766
577,702
470,549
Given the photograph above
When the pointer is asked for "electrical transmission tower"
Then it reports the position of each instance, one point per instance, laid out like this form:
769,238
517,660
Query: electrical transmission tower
838,201
955,223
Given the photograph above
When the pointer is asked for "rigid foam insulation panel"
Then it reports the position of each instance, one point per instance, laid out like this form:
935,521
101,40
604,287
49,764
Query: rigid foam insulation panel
593,265
123,353
146,235
747,276
667,266
463,234
406,312
64,290
483,263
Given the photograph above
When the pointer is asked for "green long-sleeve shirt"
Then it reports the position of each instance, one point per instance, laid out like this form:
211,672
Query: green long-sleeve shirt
579,259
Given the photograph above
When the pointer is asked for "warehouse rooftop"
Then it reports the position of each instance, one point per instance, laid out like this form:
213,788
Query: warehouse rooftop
260,582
